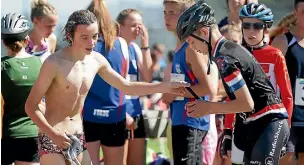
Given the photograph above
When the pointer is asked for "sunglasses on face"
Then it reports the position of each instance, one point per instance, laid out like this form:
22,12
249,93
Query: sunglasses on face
255,26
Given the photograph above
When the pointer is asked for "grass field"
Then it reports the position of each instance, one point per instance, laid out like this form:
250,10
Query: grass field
155,145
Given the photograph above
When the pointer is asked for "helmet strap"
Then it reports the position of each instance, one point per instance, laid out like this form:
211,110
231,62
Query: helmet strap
209,48
199,38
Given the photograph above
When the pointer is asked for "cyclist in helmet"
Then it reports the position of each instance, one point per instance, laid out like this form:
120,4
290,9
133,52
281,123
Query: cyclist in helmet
256,20
251,94
19,71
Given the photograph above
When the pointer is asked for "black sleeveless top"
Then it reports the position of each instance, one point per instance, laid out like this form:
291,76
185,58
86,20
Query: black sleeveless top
295,64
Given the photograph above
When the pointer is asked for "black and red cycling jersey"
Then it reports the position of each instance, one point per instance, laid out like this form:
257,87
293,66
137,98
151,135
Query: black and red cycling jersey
274,65
238,67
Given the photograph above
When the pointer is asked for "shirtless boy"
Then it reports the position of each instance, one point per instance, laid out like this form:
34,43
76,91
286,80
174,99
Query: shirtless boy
65,79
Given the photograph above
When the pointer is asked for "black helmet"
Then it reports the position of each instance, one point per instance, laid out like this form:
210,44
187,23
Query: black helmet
14,26
198,15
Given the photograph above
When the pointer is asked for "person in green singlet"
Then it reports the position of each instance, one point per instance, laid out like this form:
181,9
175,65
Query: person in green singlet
19,71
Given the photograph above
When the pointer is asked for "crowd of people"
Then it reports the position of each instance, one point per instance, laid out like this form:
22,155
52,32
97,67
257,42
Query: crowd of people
234,87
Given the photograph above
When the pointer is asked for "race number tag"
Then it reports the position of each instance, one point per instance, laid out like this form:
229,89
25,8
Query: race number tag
131,78
299,93
177,78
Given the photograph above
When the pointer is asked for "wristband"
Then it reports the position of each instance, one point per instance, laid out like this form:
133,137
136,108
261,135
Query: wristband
145,48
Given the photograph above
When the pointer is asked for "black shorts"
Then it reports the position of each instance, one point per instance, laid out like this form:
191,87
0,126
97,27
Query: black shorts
19,149
187,145
110,135
296,140
140,131
265,140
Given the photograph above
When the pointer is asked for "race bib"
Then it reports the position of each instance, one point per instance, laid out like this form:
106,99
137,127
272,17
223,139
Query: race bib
132,78
177,78
299,93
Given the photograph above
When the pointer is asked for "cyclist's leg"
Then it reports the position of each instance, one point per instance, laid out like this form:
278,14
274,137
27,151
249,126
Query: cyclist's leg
268,146
237,155
239,141
289,157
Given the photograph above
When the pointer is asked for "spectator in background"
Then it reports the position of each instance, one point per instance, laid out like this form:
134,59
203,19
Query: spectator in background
167,70
285,25
154,102
158,70
232,32
234,7
167,74
159,50
160,159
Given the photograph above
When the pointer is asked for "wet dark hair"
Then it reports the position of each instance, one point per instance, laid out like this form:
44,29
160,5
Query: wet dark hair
80,17
296,2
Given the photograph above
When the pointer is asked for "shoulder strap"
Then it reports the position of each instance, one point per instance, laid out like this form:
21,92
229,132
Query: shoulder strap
138,56
191,91
291,40
124,48
289,37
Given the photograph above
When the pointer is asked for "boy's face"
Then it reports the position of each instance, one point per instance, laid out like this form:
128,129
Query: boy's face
85,37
